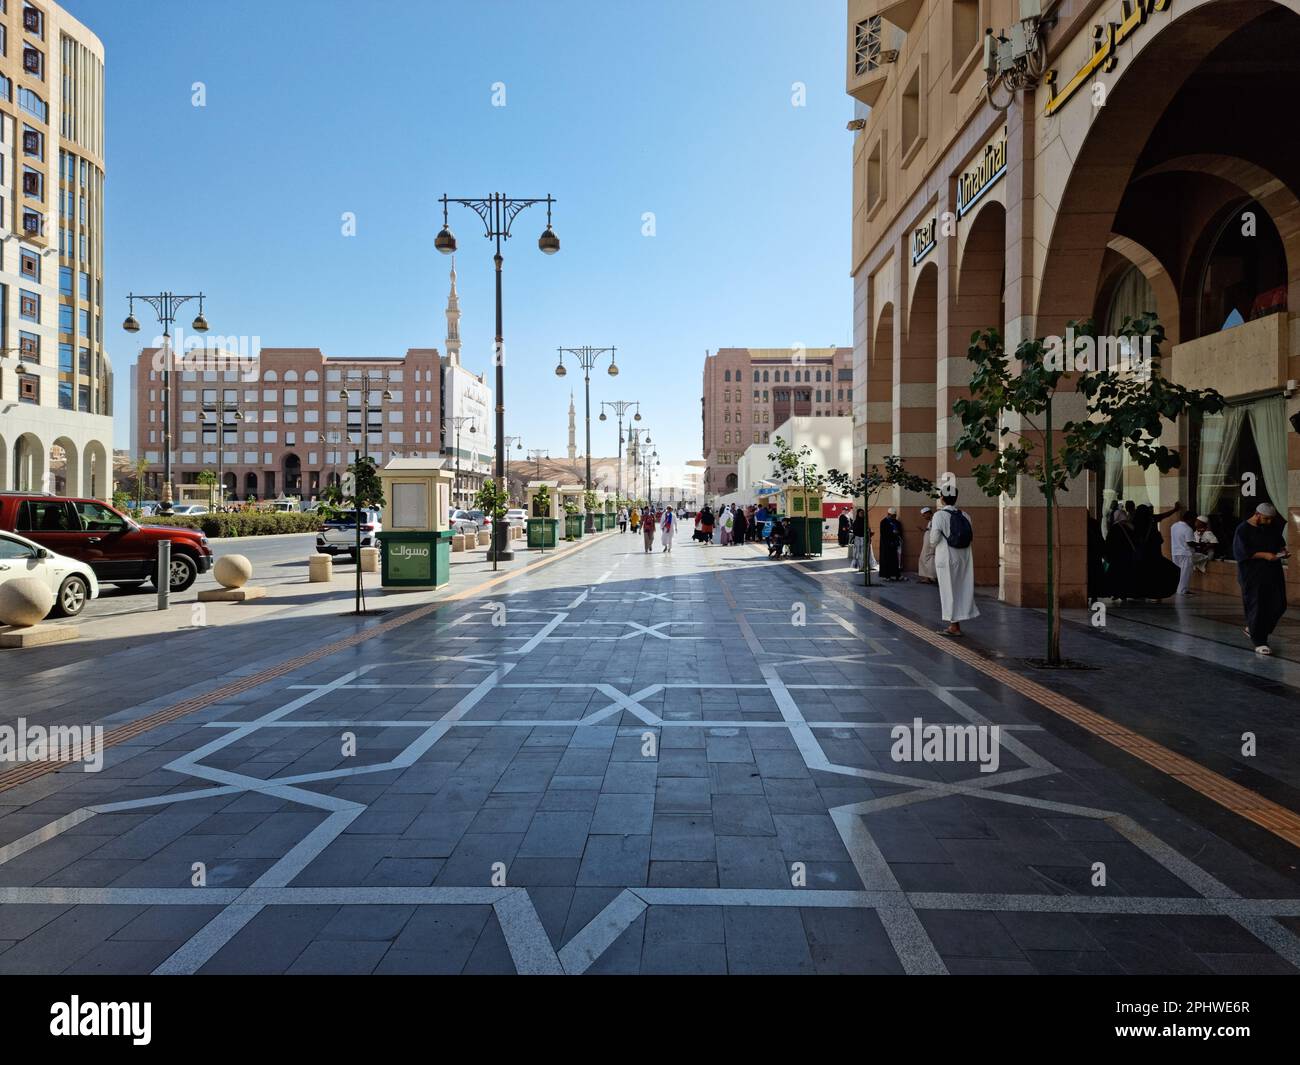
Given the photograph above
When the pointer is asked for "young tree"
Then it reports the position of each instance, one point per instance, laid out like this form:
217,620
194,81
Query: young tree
494,502
1123,408
359,490
141,467
208,479
870,485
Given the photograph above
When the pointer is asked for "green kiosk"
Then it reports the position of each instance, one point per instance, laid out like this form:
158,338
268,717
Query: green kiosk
415,546
803,506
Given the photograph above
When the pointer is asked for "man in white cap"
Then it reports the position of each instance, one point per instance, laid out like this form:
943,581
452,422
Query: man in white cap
1259,549
1204,544
925,564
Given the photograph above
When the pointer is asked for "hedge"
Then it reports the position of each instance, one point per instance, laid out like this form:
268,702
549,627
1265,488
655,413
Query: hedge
242,523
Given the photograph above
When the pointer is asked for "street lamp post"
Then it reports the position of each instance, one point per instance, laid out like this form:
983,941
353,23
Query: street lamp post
165,305
537,454
363,444
621,407
219,413
518,441
457,421
634,436
498,212
587,356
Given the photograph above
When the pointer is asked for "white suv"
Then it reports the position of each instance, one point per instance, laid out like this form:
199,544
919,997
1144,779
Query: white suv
339,535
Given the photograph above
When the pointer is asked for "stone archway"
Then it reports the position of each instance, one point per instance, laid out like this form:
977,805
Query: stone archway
291,474
980,286
30,467
915,417
250,485
4,465
65,468
96,472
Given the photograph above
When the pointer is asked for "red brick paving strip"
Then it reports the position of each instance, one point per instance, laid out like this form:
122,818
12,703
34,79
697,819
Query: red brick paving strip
1213,786
28,771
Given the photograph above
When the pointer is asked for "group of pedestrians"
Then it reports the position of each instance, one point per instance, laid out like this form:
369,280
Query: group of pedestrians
730,525
945,557
1127,561
647,521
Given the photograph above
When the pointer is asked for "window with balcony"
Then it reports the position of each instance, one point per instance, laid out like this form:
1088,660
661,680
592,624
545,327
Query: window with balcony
33,104
29,305
29,389
29,345
29,265
33,142
34,62
33,21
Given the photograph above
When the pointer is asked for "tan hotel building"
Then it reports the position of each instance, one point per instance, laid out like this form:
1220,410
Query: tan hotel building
1152,166
56,425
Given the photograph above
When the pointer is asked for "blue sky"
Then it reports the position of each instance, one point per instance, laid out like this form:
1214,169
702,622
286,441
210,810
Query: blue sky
683,109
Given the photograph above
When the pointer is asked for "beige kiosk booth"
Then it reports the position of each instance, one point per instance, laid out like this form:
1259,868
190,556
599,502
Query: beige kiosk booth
415,545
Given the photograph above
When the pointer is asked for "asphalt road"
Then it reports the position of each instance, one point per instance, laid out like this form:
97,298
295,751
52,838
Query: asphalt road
274,558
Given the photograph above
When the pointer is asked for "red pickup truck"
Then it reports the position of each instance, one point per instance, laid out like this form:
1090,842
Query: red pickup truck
118,549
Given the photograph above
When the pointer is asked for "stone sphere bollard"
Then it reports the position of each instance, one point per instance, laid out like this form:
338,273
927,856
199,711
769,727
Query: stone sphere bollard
24,601
232,571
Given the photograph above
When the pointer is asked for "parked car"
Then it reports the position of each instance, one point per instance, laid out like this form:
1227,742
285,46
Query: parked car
339,535
189,510
118,549
463,525
481,521
517,516
73,583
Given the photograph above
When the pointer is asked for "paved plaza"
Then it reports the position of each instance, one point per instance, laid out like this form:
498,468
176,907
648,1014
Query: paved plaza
622,763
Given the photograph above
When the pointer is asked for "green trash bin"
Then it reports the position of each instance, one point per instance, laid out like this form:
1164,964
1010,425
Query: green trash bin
542,532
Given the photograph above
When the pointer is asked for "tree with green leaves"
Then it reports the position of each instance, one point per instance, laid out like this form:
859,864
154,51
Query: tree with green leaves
870,485
360,490
208,479
795,467
1123,409
542,502
141,467
494,502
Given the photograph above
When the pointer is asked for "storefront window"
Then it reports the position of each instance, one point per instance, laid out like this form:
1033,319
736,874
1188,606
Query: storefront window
1245,275
1239,460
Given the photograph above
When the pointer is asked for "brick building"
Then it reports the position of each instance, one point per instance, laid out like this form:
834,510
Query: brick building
750,391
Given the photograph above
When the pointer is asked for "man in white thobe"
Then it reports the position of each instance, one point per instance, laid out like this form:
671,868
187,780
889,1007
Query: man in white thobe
1180,550
955,568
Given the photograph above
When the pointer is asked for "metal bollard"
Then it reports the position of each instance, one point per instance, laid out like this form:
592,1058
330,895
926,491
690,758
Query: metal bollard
164,579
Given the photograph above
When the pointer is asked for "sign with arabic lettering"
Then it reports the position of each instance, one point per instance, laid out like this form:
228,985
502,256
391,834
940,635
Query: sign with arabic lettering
1105,40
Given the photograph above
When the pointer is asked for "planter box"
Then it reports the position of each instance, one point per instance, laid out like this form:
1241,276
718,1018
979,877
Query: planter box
542,532
573,525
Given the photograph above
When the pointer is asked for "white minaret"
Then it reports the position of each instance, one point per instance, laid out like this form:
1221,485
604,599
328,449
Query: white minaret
453,320
573,430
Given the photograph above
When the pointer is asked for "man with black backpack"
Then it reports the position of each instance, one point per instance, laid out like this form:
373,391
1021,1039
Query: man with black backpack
951,534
